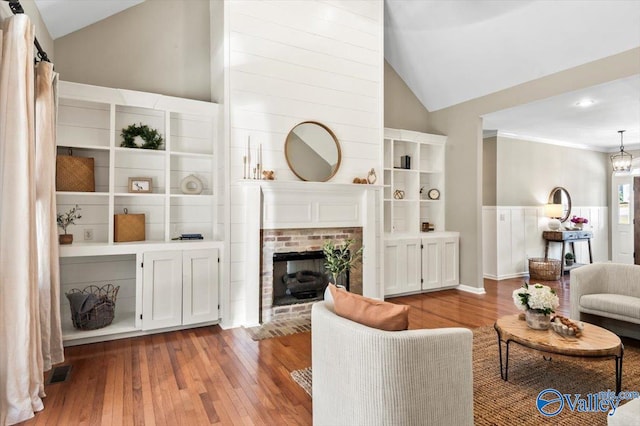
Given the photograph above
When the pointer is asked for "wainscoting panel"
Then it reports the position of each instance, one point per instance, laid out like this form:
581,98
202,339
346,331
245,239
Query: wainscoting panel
513,234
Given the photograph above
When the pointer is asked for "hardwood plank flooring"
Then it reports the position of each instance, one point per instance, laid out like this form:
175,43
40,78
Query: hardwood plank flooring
212,376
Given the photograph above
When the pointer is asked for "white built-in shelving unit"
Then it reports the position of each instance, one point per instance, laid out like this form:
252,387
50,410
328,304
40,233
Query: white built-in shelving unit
416,261
90,122
426,172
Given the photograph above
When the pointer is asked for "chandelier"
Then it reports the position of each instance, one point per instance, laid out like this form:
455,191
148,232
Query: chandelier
621,162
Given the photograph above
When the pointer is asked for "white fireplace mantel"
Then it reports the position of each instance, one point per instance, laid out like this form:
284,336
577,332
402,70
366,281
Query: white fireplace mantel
292,204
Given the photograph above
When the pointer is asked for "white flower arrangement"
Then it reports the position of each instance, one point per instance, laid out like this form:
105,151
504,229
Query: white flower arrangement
537,297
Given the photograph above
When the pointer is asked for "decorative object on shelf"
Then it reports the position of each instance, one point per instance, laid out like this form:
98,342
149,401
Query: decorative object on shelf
128,227
360,180
554,213
398,194
191,185
338,260
433,194
566,327
371,177
405,162
93,307
140,136
427,227
74,174
538,303
569,258
621,161
250,170
191,237
66,219
311,139
579,222
140,184
268,175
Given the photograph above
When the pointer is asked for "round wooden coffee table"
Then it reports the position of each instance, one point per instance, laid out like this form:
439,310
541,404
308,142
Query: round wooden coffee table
595,342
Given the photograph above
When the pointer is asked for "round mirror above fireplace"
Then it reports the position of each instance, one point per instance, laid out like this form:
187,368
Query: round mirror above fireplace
312,152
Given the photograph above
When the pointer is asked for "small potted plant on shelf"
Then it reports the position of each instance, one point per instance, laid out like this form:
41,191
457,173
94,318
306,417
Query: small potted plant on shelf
339,259
569,258
66,219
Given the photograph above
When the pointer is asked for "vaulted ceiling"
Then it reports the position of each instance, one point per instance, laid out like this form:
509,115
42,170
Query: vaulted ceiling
451,51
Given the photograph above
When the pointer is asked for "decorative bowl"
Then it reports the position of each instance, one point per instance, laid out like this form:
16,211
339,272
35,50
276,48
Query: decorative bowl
566,330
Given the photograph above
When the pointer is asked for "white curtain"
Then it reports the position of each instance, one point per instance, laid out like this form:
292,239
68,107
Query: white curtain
30,335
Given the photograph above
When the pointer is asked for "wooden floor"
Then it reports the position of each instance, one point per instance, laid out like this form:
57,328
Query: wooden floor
213,376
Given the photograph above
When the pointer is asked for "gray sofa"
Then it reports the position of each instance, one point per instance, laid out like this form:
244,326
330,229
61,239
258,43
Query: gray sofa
365,376
607,294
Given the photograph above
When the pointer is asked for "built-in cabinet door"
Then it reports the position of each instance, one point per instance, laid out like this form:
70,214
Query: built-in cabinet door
200,286
450,262
431,263
162,289
402,266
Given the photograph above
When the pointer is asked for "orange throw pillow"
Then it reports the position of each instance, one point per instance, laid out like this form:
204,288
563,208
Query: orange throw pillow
370,312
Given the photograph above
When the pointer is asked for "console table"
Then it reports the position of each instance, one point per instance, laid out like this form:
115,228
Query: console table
564,237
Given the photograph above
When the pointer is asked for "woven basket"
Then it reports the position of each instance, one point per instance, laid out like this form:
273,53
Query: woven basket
102,314
544,269
75,174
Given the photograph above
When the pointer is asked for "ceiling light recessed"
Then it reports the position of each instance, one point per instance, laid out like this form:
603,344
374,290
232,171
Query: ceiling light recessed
585,103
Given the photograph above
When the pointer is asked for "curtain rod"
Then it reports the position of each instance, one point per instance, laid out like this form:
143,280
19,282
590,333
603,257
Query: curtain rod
16,8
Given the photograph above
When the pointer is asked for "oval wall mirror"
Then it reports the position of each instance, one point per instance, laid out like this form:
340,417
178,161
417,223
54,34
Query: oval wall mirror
559,195
312,152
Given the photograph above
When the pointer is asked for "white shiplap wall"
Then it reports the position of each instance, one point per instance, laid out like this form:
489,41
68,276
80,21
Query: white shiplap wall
513,234
292,61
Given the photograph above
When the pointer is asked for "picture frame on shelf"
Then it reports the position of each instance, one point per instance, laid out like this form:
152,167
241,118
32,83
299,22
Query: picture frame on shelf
140,185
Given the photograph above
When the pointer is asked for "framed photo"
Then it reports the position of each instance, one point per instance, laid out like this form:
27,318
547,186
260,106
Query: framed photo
140,184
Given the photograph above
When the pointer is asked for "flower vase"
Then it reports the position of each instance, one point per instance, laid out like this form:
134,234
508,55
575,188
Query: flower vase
578,225
537,320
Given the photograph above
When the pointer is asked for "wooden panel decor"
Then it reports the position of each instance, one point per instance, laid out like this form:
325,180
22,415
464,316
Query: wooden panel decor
74,174
128,227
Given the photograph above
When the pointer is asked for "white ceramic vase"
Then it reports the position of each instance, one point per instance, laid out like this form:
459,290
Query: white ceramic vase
537,320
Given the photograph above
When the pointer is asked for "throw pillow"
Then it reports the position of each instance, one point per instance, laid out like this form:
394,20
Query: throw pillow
370,312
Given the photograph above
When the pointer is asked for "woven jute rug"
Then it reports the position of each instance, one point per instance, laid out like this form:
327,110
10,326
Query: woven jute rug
280,328
496,402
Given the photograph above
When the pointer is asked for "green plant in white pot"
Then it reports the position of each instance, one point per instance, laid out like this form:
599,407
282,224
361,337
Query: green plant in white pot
569,259
337,260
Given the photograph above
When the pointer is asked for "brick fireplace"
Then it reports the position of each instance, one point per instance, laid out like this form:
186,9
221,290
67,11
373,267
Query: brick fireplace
299,240
292,216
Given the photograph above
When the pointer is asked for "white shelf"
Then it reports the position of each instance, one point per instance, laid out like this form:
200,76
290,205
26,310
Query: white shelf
140,150
405,216
76,145
192,154
82,194
139,194
123,322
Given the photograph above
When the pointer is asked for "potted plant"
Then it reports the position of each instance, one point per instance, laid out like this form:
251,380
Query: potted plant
66,219
337,260
538,302
579,222
569,258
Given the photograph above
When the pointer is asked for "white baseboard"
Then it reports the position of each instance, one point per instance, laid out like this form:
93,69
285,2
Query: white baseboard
469,289
506,276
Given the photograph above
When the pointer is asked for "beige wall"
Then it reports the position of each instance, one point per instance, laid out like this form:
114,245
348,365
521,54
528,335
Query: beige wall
463,126
526,172
42,34
156,46
402,110
489,156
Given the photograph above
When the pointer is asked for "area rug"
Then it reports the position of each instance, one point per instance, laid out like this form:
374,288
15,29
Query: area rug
497,402
280,328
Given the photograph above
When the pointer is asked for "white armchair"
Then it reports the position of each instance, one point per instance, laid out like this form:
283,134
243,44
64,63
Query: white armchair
365,376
